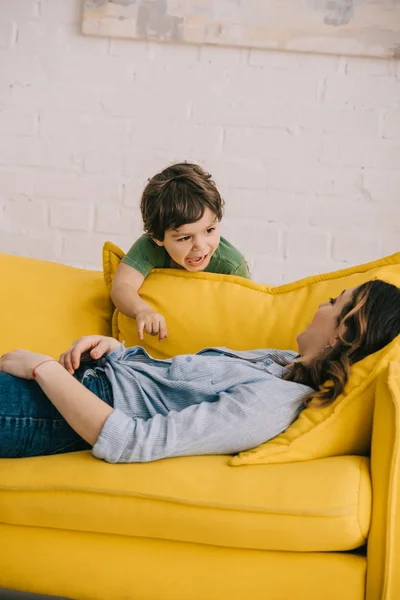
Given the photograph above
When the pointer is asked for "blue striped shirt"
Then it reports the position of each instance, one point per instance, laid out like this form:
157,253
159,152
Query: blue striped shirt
217,401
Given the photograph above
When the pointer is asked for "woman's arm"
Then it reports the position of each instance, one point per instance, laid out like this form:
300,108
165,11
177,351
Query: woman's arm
95,345
82,409
242,417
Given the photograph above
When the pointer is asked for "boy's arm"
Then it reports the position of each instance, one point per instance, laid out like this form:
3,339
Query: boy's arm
124,294
243,270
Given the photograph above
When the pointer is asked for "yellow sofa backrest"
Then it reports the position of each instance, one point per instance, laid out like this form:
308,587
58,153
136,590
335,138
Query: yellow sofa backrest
45,306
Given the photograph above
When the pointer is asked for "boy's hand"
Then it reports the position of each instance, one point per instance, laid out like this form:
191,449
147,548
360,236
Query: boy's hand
151,322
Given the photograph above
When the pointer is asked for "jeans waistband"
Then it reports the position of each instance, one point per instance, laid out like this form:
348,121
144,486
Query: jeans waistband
106,385
95,380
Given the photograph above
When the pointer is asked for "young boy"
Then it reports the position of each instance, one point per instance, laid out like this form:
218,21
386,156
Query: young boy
181,210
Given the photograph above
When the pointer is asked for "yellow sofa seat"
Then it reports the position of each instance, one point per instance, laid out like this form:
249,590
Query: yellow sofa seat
190,528
199,500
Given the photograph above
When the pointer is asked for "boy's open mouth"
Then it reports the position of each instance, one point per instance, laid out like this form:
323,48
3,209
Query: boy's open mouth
197,261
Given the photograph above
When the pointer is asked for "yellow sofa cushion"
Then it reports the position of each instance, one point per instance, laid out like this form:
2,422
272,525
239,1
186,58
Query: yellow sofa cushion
309,507
206,309
44,306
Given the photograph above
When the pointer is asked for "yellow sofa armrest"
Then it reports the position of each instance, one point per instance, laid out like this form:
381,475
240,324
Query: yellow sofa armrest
383,576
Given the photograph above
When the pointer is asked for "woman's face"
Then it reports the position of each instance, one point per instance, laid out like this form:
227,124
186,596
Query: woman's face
323,329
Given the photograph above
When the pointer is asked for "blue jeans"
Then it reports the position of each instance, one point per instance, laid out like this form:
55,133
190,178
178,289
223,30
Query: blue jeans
29,423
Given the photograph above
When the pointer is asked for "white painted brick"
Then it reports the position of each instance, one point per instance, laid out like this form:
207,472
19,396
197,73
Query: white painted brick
33,152
8,33
355,248
61,11
42,37
391,125
23,68
142,163
137,51
359,91
122,241
370,67
23,214
312,178
57,99
341,211
88,70
222,57
266,270
138,103
306,63
176,56
20,9
44,246
15,182
271,143
383,186
387,154
78,246
70,187
107,160
123,222
336,121
242,173
273,88
359,152
265,238
294,270
254,112
185,139
84,129
272,205
74,216
17,151
76,43
5,94
273,59
133,190
38,37
391,243
308,244
17,122
311,142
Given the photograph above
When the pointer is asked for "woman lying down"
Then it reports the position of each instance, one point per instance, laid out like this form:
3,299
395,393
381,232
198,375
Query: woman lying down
130,407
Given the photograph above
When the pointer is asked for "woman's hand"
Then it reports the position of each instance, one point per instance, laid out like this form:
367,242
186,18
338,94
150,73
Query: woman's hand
95,345
21,363
151,322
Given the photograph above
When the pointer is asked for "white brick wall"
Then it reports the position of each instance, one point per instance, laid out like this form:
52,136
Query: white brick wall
305,148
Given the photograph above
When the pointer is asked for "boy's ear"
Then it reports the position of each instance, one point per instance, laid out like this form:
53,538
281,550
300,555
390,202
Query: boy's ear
158,242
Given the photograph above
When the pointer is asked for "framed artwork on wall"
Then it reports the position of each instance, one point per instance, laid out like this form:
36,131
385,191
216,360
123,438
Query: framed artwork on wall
351,27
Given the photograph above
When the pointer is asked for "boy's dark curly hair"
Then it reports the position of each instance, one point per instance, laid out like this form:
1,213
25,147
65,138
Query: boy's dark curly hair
176,196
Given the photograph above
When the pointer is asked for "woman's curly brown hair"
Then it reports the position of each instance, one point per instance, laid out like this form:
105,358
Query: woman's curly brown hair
366,324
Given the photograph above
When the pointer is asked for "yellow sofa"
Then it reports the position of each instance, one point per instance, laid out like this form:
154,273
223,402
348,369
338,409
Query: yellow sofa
191,528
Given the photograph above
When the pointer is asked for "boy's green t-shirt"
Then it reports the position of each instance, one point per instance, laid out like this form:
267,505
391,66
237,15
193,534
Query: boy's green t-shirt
146,255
